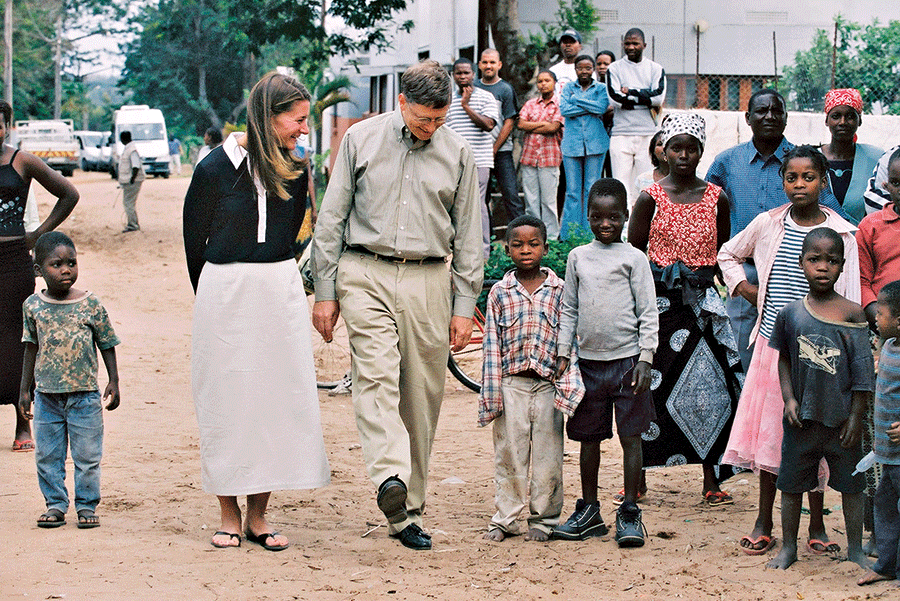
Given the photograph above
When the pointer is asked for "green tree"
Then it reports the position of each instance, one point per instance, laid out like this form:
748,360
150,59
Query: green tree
191,62
196,59
522,57
864,58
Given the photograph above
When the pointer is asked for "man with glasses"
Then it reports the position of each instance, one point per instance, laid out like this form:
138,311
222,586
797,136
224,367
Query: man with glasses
403,197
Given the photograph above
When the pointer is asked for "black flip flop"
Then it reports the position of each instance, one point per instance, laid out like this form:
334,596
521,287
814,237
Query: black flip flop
59,519
85,515
232,535
260,539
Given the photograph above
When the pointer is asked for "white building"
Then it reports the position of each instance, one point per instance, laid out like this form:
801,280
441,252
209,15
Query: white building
734,46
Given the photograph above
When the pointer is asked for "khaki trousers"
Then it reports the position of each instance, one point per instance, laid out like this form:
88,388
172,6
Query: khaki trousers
529,433
129,201
398,322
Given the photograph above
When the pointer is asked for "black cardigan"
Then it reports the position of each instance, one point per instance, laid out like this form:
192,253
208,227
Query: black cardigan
221,215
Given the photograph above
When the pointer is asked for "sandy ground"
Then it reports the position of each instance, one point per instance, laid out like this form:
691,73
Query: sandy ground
157,522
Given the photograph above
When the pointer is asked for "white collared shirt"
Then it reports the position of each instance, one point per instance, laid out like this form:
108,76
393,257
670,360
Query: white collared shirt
236,154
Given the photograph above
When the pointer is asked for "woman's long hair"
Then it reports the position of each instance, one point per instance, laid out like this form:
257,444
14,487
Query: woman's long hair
273,164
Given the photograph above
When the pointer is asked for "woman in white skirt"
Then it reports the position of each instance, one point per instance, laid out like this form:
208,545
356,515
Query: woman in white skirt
251,360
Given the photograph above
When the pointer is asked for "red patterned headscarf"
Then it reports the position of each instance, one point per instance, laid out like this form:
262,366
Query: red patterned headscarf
844,97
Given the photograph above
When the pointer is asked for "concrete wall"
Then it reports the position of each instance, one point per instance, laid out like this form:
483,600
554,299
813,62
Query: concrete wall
725,129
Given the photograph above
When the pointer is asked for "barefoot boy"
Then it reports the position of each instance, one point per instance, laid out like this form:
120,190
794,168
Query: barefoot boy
610,303
826,372
887,436
518,392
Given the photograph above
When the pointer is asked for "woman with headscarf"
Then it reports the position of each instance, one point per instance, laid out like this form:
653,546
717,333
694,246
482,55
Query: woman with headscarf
694,377
252,372
850,164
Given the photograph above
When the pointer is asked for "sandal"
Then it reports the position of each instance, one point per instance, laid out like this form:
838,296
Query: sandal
827,548
718,498
619,497
22,446
87,519
231,536
768,543
52,518
260,539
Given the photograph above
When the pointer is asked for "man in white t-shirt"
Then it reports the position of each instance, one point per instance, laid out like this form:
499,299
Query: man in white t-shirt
637,88
569,48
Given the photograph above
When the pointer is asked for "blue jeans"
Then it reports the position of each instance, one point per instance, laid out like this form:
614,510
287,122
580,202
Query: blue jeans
505,172
887,520
743,317
68,419
581,173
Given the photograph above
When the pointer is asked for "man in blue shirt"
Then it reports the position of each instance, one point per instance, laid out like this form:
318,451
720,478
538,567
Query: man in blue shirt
749,175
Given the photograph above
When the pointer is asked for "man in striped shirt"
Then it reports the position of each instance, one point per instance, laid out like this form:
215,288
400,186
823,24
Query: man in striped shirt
473,114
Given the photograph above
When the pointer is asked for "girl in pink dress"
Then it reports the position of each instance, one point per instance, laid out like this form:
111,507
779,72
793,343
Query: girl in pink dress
773,241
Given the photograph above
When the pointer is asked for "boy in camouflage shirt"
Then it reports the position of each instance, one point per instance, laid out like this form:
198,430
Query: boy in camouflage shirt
62,325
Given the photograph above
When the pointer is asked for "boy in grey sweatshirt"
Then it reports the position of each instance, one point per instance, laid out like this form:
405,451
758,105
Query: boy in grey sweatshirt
610,304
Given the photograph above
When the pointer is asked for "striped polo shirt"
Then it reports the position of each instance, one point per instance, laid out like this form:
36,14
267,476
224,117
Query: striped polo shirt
481,142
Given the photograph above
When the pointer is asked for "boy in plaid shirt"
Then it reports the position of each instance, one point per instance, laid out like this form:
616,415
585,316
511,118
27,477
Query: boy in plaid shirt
519,394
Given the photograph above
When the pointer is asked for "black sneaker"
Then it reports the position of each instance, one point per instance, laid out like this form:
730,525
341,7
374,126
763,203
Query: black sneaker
629,527
585,522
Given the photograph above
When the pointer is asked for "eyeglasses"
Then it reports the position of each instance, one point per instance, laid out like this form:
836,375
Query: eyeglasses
421,120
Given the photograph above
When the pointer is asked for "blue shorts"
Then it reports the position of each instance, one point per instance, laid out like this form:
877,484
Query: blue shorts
802,449
608,384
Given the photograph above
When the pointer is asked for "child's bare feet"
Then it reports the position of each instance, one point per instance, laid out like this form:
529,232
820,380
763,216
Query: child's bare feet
871,547
785,558
495,534
871,577
858,556
537,535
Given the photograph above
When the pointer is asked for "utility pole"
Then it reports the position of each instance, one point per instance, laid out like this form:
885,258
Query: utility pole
7,58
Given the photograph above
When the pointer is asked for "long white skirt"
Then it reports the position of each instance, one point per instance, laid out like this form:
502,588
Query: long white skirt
254,381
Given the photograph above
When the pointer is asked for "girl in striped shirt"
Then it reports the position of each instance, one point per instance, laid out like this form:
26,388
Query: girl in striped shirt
773,241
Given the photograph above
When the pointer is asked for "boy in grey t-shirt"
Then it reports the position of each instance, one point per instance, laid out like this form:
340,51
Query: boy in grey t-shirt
827,376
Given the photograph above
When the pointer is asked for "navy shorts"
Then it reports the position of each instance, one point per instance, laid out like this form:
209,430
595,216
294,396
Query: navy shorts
608,384
802,449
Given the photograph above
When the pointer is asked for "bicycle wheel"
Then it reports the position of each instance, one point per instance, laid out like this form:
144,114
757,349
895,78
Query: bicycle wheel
466,367
331,359
466,364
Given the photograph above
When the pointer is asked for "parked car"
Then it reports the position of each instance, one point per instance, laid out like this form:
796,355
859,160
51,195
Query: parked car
95,150
52,140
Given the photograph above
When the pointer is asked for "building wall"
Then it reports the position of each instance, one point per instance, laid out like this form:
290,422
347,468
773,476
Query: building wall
738,36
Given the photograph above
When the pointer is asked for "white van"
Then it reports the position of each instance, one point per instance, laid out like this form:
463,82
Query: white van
148,132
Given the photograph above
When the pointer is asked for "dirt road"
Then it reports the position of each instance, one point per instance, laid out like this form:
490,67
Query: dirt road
157,522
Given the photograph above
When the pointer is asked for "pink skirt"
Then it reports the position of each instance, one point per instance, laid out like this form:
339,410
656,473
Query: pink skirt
755,441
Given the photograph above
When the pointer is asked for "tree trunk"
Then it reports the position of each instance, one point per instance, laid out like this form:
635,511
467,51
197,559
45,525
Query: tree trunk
7,43
202,50
503,16
57,68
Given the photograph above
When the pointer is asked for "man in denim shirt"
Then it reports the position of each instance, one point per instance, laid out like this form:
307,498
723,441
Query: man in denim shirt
584,142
